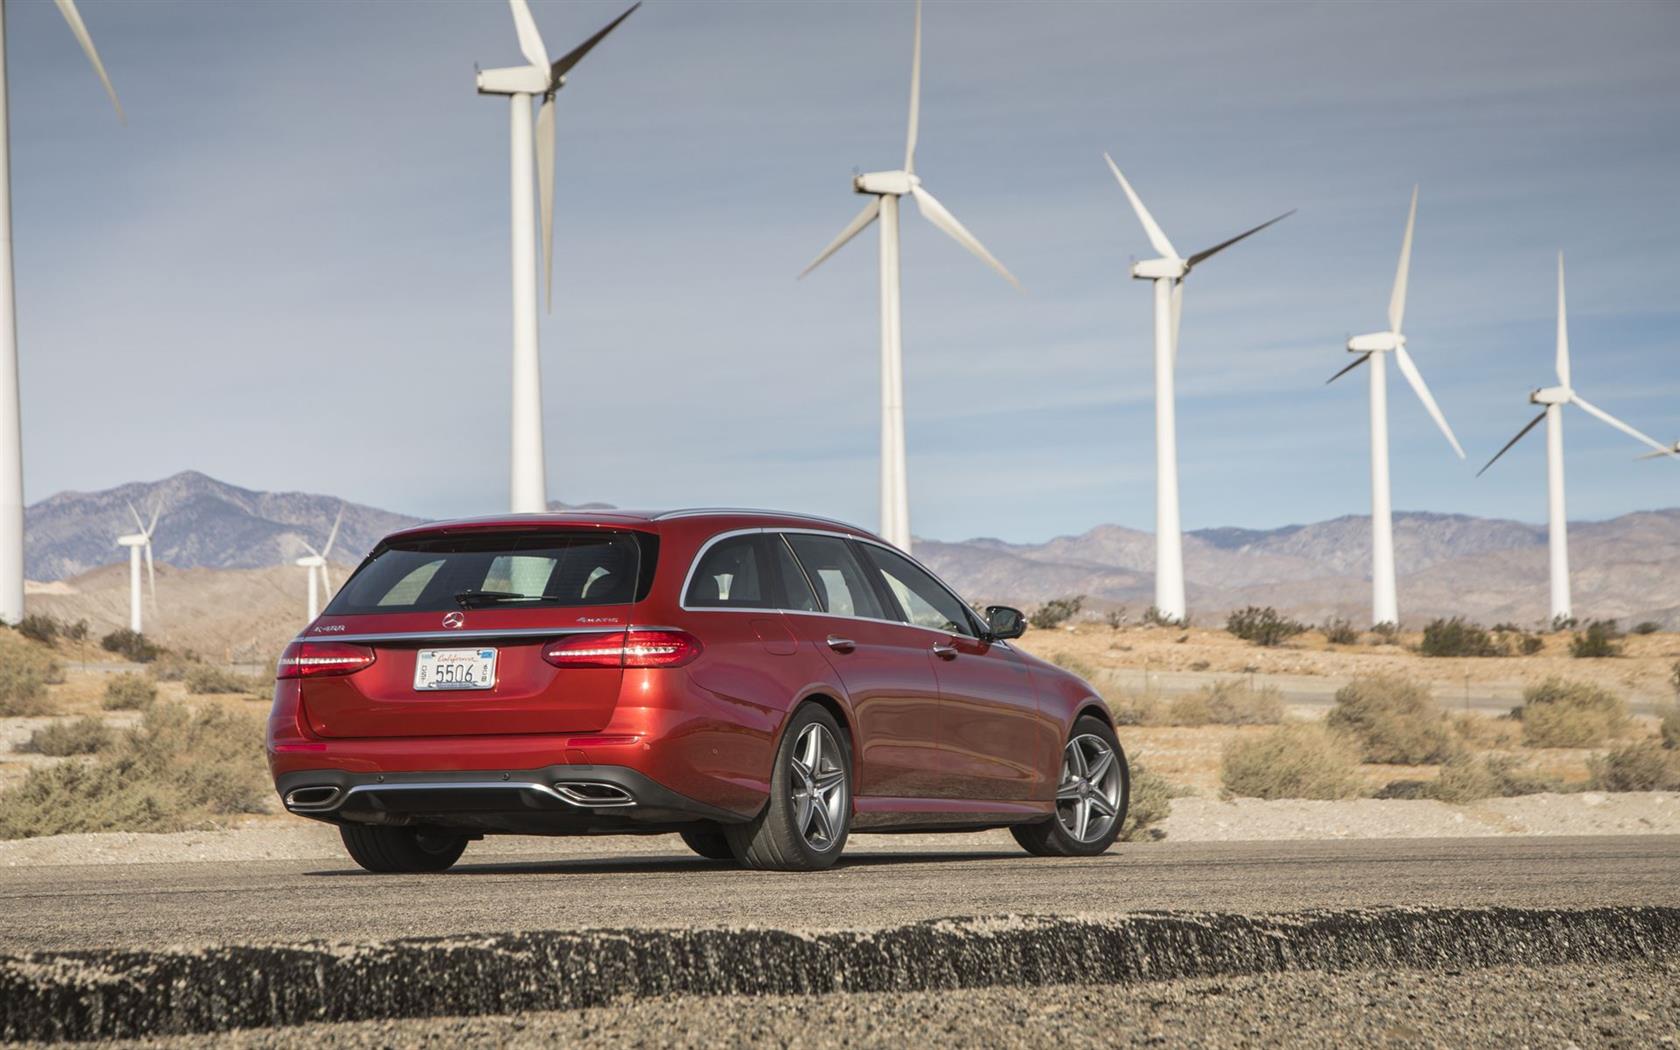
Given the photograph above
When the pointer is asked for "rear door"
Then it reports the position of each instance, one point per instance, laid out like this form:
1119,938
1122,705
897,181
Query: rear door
885,667
489,603
994,735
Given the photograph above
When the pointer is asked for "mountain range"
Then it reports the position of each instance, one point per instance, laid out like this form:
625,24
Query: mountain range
1489,569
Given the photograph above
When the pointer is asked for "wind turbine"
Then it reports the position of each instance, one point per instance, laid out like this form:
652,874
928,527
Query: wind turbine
1168,272
11,405
137,542
885,188
1553,398
1372,348
528,489
315,563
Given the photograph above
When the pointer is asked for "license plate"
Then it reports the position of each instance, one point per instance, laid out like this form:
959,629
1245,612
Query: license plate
455,669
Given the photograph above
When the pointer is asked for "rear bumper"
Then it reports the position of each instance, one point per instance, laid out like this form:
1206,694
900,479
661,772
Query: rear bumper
550,800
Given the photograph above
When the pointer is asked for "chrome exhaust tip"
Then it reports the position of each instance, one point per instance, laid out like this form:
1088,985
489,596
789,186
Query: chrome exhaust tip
312,798
593,794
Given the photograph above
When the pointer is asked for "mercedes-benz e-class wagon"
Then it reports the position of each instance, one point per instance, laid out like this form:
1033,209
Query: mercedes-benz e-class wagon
765,684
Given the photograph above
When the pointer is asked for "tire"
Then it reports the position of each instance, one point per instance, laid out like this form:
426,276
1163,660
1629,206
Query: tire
1109,790
796,831
401,850
710,842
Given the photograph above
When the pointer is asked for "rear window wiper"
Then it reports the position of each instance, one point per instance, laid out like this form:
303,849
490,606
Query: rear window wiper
468,599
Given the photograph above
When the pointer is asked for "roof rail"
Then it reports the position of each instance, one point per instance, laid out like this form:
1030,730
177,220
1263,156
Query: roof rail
695,512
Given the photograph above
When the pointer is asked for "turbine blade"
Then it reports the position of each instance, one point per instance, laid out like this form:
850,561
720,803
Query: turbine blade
1397,298
565,62
935,212
1562,332
1531,425
326,580
1419,387
530,41
67,8
333,535
864,218
310,549
138,524
545,189
915,95
1177,312
157,511
1594,410
1361,359
1672,450
1157,238
1208,253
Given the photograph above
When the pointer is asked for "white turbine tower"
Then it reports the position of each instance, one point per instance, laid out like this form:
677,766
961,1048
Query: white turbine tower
1168,272
136,542
315,563
885,188
528,488
1384,604
1553,398
11,405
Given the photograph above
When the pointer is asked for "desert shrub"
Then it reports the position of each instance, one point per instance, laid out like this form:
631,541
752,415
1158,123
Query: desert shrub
1531,644
1467,778
1601,639
178,770
1394,719
1138,709
1669,728
1561,623
1559,713
1262,626
1115,618
1647,627
1056,612
60,739
1150,803
130,645
1487,734
25,673
128,692
38,628
76,632
1291,761
203,679
1644,766
1385,633
1458,637
1339,631
1230,702
1154,617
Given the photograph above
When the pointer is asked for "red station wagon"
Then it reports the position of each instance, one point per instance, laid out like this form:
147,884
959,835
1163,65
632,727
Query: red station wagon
765,684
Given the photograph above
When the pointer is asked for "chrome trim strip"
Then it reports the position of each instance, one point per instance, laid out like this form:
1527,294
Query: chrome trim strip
499,785
444,636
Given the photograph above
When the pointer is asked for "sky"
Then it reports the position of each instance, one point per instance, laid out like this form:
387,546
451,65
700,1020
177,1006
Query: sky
290,269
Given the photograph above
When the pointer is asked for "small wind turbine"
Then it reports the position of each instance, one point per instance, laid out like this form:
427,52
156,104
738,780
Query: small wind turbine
136,542
528,490
1553,398
1168,272
885,188
11,405
1384,604
315,563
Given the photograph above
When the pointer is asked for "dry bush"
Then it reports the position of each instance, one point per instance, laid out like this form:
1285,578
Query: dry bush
129,692
1645,766
1340,631
26,670
1601,639
1669,728
1468,778
1262,626
1646,627
1292,761
1056,612
130,645
203,679
178,770
1458,637
1394,719
1138,709
1229,702
1150,802
1487,734
38,628
61,739
1559,713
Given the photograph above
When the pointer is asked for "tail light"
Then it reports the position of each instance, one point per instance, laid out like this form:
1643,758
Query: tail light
624,649
316,659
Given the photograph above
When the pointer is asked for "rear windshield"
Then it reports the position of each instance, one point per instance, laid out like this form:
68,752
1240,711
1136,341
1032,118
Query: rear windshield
501,570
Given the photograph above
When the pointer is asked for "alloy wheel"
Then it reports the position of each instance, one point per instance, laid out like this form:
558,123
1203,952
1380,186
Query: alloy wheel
818,786
1088,797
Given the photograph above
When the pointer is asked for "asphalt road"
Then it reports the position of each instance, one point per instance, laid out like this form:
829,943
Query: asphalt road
882,881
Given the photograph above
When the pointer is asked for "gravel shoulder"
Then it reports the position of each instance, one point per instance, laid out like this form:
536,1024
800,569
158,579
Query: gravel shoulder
1618,1004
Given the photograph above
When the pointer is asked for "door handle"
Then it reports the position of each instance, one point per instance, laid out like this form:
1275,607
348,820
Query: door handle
841,645
944,652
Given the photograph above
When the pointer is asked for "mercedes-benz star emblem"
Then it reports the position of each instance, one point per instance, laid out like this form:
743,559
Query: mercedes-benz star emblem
454,619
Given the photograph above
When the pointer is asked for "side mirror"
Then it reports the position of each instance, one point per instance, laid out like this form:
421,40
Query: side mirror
1003,623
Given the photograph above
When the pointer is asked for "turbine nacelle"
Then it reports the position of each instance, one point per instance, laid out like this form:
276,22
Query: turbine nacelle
1160,269
517,80
134,540
1376,343
1552,395
310,561
886,183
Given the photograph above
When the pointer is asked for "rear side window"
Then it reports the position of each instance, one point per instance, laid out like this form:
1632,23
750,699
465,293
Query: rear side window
731,573
842,587
525,569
